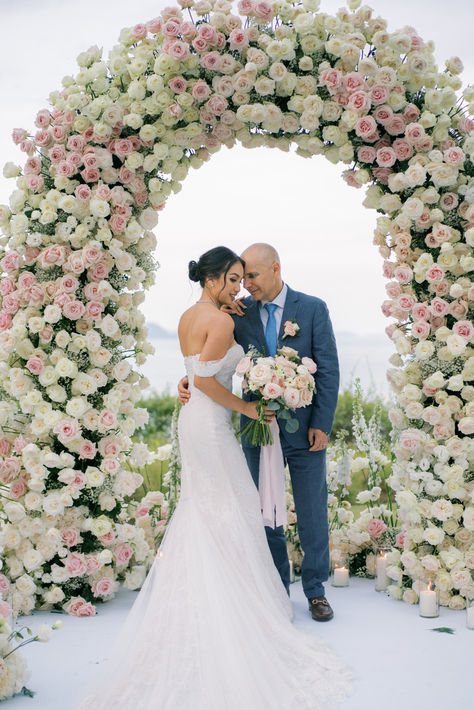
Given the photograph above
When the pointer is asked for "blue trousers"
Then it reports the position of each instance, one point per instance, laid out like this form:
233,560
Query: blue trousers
308,480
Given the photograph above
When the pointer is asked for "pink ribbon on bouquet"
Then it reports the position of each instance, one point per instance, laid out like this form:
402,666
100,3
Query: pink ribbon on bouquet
271,484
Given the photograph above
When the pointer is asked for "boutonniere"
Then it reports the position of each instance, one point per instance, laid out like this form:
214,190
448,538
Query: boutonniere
290,329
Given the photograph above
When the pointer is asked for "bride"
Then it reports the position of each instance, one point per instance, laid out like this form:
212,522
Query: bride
211,627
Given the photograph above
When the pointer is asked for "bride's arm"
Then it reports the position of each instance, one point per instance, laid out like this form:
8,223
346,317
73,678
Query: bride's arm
217,343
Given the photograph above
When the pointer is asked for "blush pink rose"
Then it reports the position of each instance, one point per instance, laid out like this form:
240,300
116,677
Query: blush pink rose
74,310
238,39
94,310
10,262
18,488
75,564
87,449
178,50
5,609
359,101
395,126
70,536
365,126
331,79
142,510
103,587
366,154
464,328
67,429
410,439
386,157
400,539
93,564
123,553
272,391
376,527
4,584
411,112
414,132
420,311
309,364
421,329
35,365
5,321
78,606
403,274
108,538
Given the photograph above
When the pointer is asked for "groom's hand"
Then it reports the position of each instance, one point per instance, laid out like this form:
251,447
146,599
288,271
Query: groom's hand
318,440
183,390
237,308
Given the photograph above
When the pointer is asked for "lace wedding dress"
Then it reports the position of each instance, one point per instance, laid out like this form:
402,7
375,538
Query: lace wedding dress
211,627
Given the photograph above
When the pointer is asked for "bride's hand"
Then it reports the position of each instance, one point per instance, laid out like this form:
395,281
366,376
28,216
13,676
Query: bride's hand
252,413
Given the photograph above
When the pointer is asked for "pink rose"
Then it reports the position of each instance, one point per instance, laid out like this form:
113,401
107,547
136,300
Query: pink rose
10,262
110,446
403,274
414,132
87,449
464,328
4,584
77,606
108,419
123,147
75,564
410,439
178,50
454,156
67,430
420,311
108,538
6,286
123,553
200,90
18,488
359,101
93,564
70,536
386,157
94,310
365,126
178,84
238,39
378,94
19,135
74,310
395,125
309,364
411,112
103,587
421,329
376,527
366,154
11,303
5,609
272,390
5,321
263,10
117,223
246,7
110,464
35,365
142,510
400,539
99,272
331,79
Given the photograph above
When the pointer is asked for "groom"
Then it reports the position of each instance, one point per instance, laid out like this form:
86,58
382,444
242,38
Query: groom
260,321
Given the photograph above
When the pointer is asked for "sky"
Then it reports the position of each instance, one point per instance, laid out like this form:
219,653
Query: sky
301,206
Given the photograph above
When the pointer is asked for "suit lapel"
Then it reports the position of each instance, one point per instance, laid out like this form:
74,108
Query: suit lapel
290,310
254,323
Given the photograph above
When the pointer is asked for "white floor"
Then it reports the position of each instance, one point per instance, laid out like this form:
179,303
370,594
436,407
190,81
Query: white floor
400,664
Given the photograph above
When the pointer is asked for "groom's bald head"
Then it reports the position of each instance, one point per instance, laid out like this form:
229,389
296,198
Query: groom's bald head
261,253
262,271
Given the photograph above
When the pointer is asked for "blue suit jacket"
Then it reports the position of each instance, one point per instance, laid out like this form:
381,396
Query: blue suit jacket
315,339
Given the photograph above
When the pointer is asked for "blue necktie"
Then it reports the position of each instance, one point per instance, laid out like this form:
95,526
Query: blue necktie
271,329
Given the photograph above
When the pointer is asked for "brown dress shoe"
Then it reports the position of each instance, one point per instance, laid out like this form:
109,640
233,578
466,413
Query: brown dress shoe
320,609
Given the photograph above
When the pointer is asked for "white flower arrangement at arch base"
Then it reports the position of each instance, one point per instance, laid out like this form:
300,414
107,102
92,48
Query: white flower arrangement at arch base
119,138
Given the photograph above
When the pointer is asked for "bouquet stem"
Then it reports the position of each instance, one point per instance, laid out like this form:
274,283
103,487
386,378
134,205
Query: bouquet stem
257,431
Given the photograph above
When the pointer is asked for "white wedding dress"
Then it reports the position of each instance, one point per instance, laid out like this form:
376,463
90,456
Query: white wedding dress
211,627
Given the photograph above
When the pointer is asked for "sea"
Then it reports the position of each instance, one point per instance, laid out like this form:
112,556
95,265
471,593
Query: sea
360,356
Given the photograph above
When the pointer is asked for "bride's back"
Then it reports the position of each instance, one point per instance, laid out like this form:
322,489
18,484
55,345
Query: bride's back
197,323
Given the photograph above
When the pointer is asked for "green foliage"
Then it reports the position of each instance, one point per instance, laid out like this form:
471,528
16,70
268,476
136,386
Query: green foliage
344,410
160,409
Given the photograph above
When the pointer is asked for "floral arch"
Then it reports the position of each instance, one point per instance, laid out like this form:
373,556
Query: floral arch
118,139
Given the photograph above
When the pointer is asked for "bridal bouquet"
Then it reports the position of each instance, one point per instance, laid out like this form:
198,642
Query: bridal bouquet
282,383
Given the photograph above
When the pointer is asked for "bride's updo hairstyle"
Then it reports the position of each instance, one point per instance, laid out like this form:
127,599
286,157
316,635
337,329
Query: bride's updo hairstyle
212,264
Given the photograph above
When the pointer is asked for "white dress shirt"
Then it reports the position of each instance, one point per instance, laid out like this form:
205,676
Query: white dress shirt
278,301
